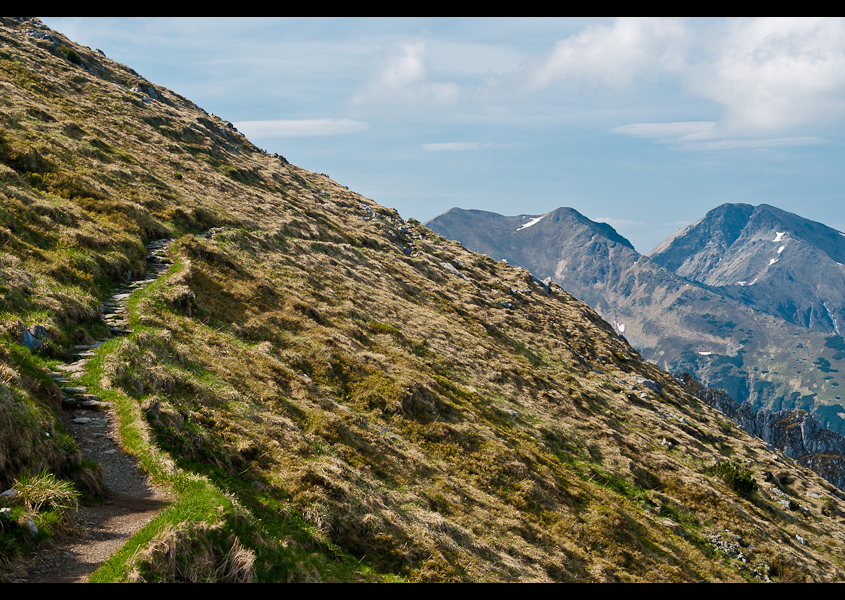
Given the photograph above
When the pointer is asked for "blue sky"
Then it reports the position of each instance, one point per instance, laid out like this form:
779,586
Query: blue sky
644,123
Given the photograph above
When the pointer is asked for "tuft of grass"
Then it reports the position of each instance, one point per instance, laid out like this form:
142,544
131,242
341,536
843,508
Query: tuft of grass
191,553
45,491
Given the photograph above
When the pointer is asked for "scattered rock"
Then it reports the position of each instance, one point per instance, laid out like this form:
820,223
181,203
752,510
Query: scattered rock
33,530
451,268
545,284
33,337
729,544
40,35
648,383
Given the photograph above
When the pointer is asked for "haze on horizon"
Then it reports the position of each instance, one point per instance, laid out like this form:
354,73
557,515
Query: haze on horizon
643,123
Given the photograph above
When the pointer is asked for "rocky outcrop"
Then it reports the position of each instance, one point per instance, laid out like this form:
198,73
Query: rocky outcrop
32,337
796,433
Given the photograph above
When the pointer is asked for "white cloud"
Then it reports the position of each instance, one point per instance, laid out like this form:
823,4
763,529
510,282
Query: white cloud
670,131
615,55
401,79
452,147
776,73
776,80
300,128
709,135
402,70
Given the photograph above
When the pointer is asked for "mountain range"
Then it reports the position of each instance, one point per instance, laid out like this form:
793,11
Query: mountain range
327,391
748,299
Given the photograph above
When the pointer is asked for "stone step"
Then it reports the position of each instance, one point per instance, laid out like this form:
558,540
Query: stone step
86,401
73,368
75,390
93,422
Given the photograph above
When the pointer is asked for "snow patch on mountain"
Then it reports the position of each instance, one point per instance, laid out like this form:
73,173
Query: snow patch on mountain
532,222
832,318
779,237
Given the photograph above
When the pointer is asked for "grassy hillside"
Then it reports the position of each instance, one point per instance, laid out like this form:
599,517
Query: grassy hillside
334,393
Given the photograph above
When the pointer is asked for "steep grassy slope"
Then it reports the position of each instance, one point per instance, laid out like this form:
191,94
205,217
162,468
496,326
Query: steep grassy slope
335,393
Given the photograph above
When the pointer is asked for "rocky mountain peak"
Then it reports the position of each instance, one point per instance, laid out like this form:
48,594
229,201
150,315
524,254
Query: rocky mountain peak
700,246
725,247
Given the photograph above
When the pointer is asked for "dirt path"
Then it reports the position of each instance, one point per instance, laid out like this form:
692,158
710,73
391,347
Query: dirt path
132,502
104,529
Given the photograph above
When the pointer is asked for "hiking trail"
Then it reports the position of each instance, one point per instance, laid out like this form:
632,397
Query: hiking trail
132,500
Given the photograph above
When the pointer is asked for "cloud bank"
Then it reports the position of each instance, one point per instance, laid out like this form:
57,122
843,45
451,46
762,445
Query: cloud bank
770,82
300,128
776,73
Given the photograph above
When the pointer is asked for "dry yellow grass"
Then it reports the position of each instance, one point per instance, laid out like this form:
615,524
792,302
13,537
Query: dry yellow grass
367,405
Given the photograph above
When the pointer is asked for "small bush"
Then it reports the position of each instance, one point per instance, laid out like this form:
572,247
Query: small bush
787,571
71,54
736,477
